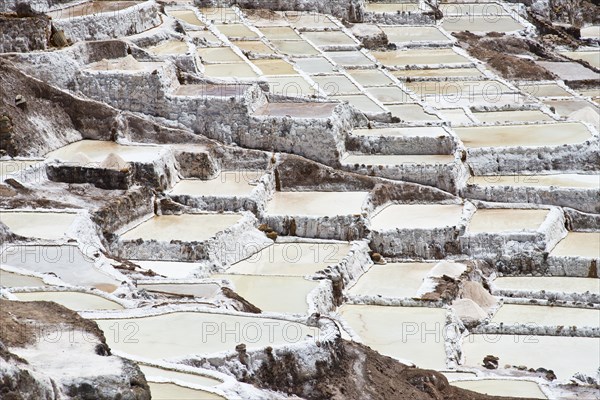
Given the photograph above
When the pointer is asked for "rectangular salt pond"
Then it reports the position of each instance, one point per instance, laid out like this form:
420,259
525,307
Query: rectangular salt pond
282,294
227,183
218,55
66,262
170,47
230,70
409,34
91,8
295,47
280,33
316,204
41,225
513,314
394,160
336,84
275,66
407,333
292,259
208,36
430,132
310,20
237,31
457,89
362,103
292,86
220,14
481,23
75,301
524,135
438,73
395,280
569,71
548,283
97,150
189,333
254,46
389,94
393,8
578,244
330,38
171,391
456,116
510,116
543,89
316,65
186,16
592,57
186,227
350,58
503,387
506,220
577,181
371,77
564,355
419,57
411,113
12,280
491,10
417,216
297,110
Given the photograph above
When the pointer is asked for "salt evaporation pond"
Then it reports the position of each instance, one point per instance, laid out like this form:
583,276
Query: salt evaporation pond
76,301
564,355
393,160
153,373
330,38
438,72
407,333
419,57
497,220
185,289
316,203
171,391
187,227
481,23
98,150
578,244
503,387
512,314
371,77
12,280
548,284
236,30
92,8
40,225
170,47
186,333
510,116
292,259
227,183
399,34
284,294
187,16
417,216
397,280
576,181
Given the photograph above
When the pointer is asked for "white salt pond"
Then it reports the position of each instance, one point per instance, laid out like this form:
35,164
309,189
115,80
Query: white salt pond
396,280
319,204
187,16
417,216
336,84
170,47
204,290
208,36
524,135
481,23
66,262
310,20
187,333
411,113
74,300
544,89
314,65
548,284
394,160
170,269
389,94
510,116
456,116
254,46
275,67
12,280
284,294
564,355
295,47
349,58
503,387
218,55
230,70
227,183
569,71
97,151
592,57
41,225
371,77
438,72
578,244
236,30
459,89
220,14
292,259
497,220
419,57
92,8
430,132
576,181
280,33
171,391
361,102
513,314
401,34
407,333
330,38
187,227
153,373
293,86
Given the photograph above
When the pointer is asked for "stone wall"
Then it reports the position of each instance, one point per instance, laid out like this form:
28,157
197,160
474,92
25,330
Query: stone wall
21,35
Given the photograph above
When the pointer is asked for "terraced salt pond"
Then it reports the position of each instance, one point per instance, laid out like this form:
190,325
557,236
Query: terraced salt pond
523,135
41,225
316,203
66,262
437,73
481,23
578,181
292,259
400,332
417,216
401,34
506,220
171,391
204,290
503,387
74,300
331,38
513,314
578,244
393,160
512,116
96,151
275,67
284,294
371,77
394,280
548,284
92,8
564,355
186,16
231,71
188,227
170,47
12,280
170,269
227,183
186,333
419,57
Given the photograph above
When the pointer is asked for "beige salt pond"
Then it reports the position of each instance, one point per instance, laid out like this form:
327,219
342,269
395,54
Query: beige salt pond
396,280
524,135
470,88
292,86
350,58
578,181
591,57
498,220
227,183
230,70
578,244
74,300
204,290
66,262
92,8
430,132
275,67
330,38
186,333
237,31
187,227
503,387
389,94
310,20
254,46
510,116
438,73
401,34
513,314
406,333
419,57
12,280
218,55
187,16
411,113
285,294
171,391
417,216
371,77
393,160
361,102
336,84
321,204
295,47
481,23
207,36
456,116
97,150
548,283
220,14
41,225
544,90
564,355
169,47
292,259
280,33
